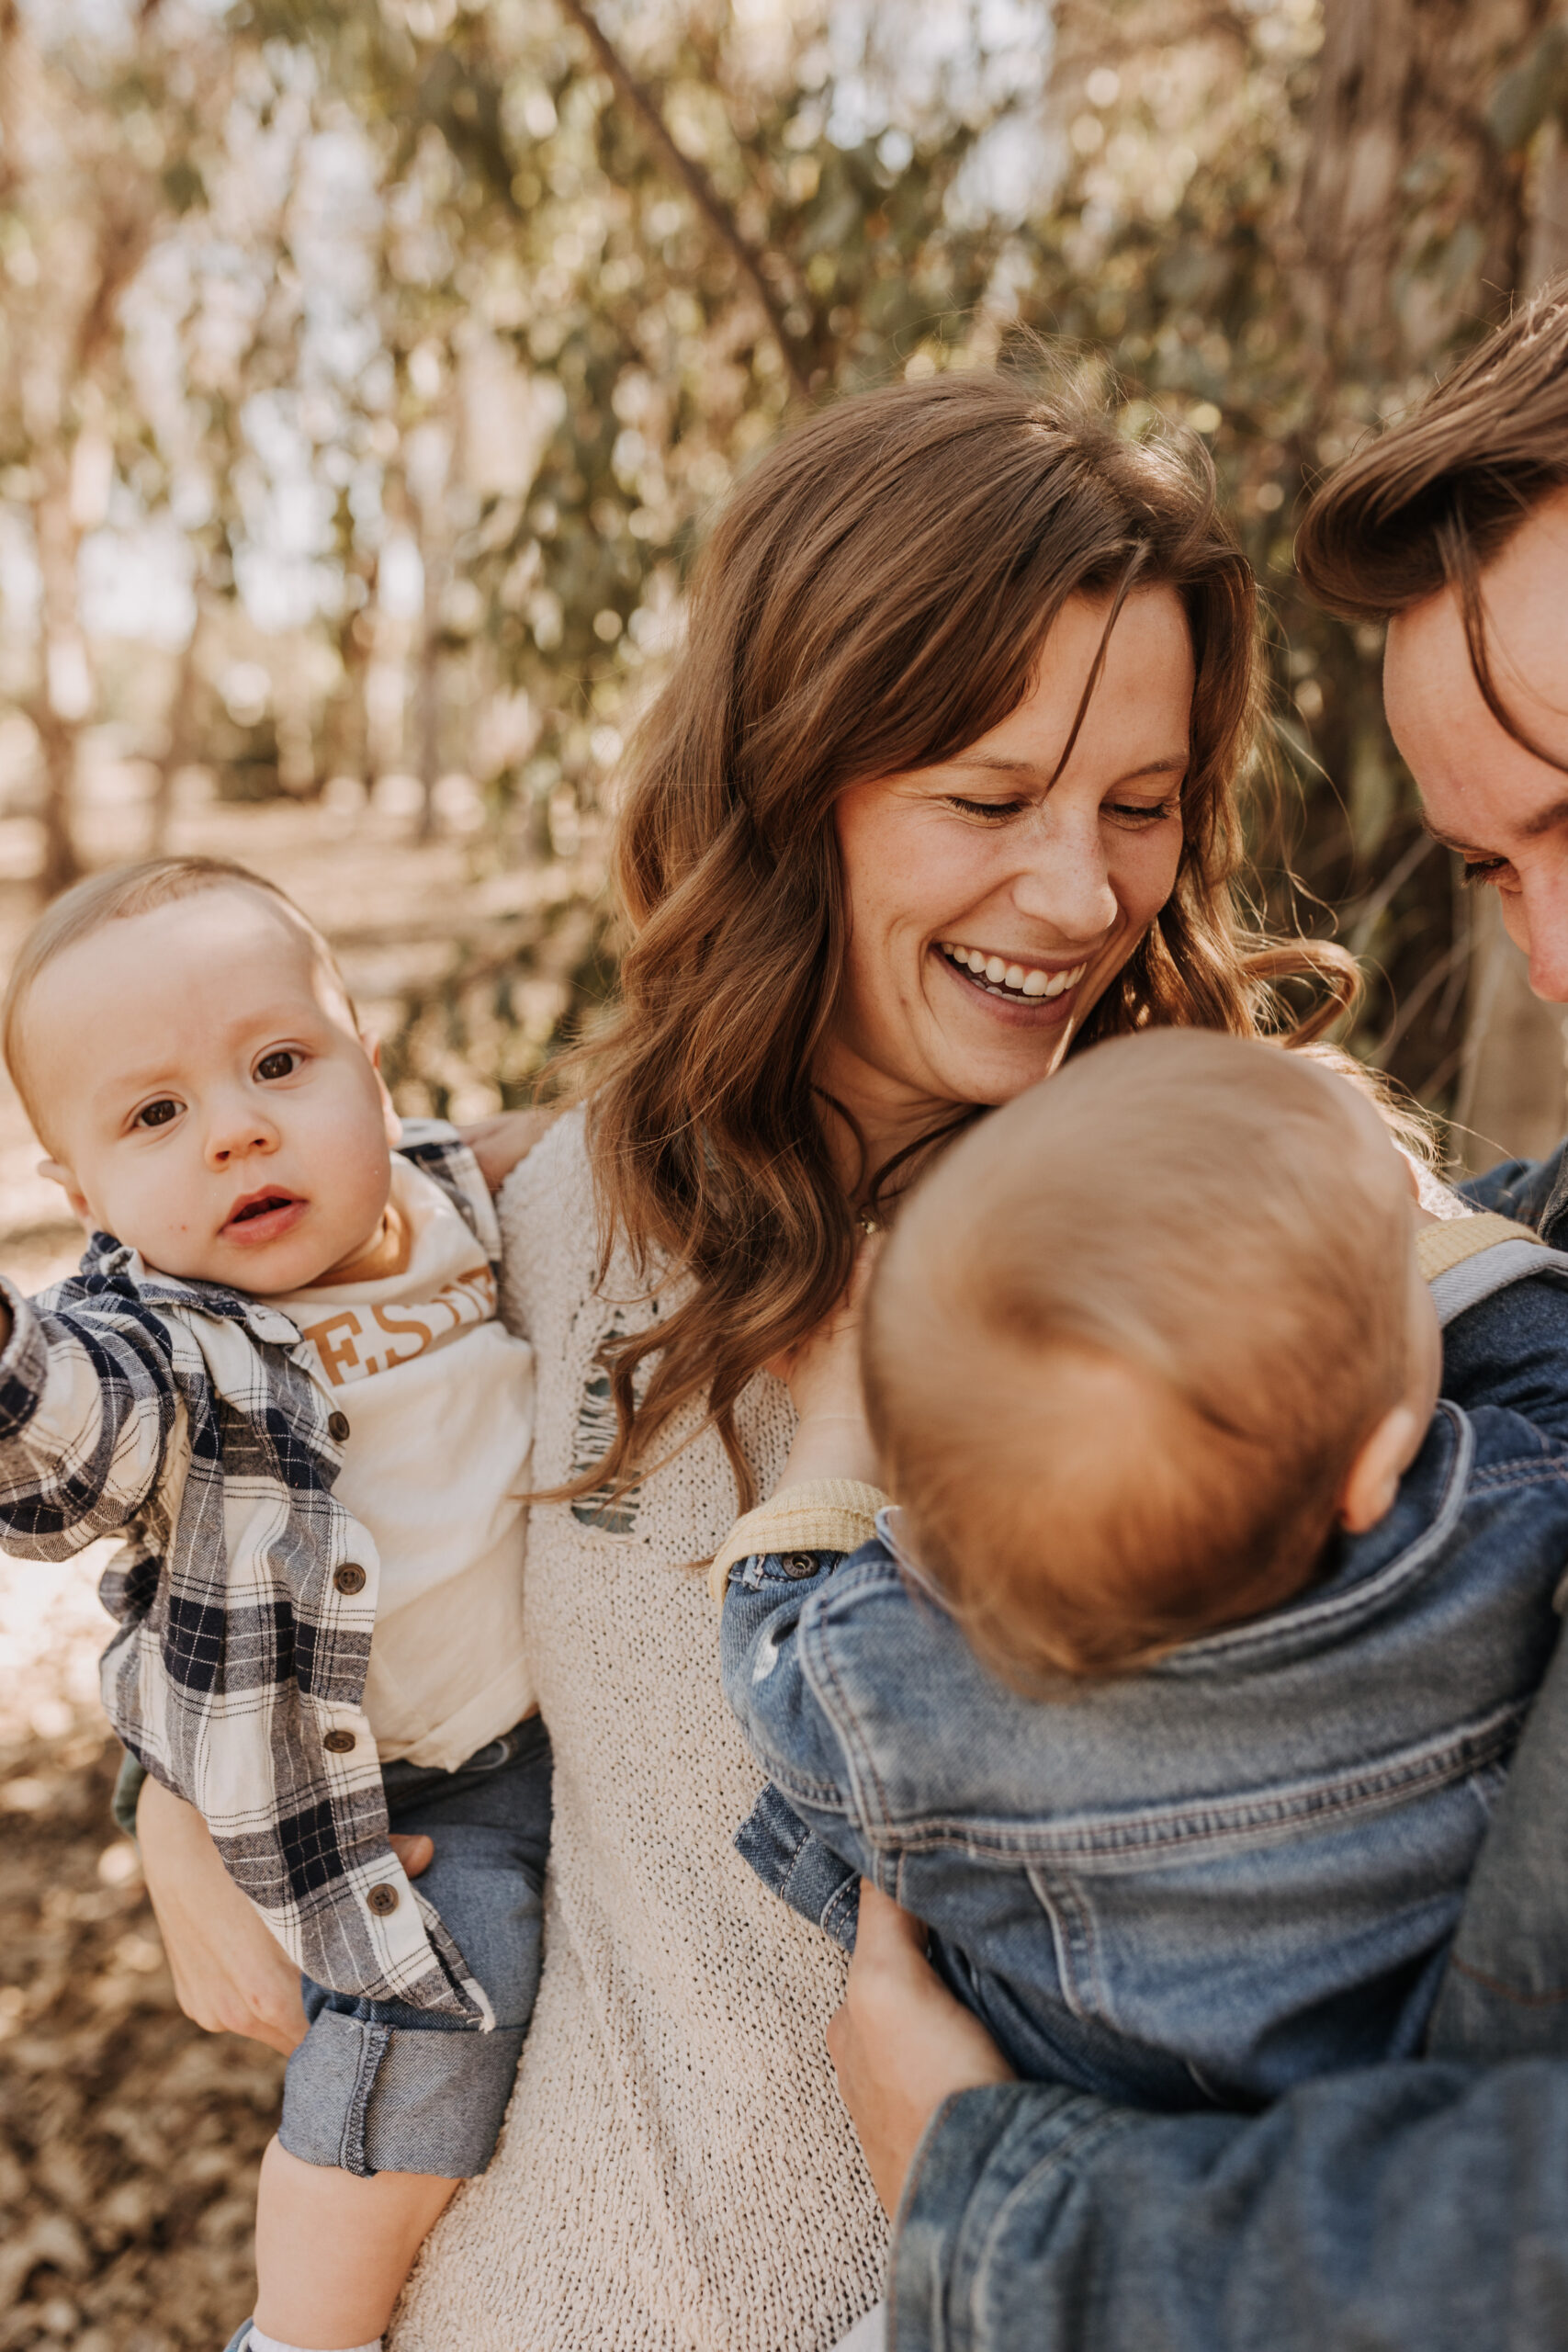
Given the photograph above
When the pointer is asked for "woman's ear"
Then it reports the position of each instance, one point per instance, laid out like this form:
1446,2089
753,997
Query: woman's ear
58,1174
1372,1480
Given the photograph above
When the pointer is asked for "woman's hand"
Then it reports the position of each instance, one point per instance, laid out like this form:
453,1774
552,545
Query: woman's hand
901,2044
232,1975
500,1143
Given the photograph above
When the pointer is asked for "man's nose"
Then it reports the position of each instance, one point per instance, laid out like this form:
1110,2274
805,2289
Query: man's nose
1065,884
235,1132
1542,932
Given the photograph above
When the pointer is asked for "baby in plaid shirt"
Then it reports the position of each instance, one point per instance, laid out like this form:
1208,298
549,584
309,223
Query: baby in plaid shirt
280,1375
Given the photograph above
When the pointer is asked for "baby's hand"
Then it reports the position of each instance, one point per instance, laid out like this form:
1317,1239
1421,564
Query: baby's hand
822,1374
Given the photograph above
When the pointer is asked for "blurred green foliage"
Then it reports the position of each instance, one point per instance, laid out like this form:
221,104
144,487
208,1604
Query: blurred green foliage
439,275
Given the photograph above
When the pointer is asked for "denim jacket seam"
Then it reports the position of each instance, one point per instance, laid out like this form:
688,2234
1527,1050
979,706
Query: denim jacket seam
817,1665
1218,1821
1520,1471
1082,2140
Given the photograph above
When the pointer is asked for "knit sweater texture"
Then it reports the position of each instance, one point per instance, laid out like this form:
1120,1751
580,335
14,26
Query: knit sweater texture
676,2173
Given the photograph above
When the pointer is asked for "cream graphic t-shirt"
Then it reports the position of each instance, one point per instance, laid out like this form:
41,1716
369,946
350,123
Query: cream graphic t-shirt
439,1398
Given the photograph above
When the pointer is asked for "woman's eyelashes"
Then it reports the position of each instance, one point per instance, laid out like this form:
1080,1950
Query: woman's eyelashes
1484,869
1121,812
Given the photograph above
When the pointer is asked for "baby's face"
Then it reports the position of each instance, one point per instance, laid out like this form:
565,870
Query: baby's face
207,1099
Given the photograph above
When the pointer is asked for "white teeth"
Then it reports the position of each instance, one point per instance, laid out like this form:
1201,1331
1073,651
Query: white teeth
1023,979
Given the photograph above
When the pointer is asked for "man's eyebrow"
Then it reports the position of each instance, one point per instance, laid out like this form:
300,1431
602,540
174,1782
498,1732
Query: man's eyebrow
1545,821
1177,760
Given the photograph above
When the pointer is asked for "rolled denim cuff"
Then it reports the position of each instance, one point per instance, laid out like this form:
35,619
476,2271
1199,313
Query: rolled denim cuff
976,2151
367,2099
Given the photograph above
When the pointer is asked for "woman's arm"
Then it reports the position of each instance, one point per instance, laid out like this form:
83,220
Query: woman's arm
231,1973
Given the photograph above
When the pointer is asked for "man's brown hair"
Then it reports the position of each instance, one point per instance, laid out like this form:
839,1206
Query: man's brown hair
1435,498
116,894
1125,1342
873,598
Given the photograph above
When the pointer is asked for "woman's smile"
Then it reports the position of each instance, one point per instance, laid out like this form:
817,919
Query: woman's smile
1016,986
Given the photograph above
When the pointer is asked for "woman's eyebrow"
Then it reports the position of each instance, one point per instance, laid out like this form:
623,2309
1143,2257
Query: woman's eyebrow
1167,766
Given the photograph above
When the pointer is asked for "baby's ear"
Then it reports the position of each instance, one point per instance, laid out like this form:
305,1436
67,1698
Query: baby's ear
58,1174
390,1118
1371,1483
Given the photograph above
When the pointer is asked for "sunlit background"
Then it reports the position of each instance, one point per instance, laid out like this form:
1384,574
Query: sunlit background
368,373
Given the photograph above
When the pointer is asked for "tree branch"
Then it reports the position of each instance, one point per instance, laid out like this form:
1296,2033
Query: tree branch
696,182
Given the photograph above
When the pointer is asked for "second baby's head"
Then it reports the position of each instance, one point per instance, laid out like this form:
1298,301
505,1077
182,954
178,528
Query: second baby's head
184,1046
1143,1340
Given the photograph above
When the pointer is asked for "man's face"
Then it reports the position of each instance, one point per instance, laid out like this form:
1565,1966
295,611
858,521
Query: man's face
1505,811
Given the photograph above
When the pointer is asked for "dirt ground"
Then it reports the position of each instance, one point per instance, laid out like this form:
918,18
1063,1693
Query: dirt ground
128,2141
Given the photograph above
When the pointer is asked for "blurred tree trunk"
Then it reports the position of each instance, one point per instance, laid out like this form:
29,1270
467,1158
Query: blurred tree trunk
65,691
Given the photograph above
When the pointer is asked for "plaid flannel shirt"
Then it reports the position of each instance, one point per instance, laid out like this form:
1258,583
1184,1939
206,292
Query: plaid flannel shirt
188,1418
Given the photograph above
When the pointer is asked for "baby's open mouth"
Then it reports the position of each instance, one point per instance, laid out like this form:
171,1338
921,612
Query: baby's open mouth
262,1209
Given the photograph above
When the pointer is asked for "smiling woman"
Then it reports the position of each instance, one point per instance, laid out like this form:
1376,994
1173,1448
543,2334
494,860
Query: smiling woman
943,787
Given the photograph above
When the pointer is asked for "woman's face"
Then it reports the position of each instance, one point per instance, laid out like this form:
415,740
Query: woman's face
988,908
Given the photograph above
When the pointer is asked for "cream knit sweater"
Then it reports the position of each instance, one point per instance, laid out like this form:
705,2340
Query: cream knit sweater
676,2174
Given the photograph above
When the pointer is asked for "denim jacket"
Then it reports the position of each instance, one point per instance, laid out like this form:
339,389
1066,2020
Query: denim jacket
1241,1867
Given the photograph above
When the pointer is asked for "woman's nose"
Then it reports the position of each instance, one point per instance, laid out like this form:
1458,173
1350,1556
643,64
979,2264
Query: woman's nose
1065,884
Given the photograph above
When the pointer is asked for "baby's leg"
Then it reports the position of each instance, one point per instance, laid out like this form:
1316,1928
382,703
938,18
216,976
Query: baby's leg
387,2109
332,2250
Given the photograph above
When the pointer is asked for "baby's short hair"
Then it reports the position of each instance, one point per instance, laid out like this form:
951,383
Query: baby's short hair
1184,1228
114,896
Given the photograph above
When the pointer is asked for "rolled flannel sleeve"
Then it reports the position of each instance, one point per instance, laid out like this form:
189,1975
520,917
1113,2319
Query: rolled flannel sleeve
1412,2208
87,1402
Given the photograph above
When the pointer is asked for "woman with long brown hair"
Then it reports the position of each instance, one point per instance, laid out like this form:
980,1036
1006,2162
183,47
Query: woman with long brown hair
943,787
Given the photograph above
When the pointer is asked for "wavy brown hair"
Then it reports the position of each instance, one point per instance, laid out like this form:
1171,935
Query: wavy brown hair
874,598
1439,493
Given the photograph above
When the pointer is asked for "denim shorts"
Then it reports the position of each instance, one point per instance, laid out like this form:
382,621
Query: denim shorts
380,2087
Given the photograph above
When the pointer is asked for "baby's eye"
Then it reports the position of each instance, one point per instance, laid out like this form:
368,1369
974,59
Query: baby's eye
283,1063
157,1115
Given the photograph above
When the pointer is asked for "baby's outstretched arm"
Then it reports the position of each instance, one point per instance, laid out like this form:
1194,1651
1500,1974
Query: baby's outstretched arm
87,1404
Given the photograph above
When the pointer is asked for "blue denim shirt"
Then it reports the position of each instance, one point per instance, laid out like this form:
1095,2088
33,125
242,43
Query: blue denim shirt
1239,1868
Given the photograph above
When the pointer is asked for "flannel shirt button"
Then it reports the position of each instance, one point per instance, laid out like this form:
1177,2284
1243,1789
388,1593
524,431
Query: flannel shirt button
382,1899
798,1564
350,1577
337,1426
340,1742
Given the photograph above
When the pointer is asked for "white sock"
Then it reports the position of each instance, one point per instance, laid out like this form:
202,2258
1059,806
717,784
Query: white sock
257,2341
